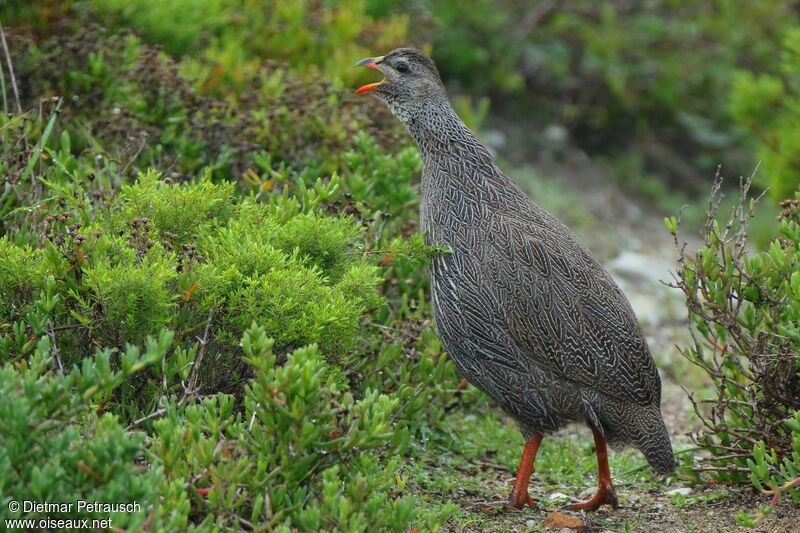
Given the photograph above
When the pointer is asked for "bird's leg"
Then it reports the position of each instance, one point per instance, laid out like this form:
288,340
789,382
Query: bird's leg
605,494
519,496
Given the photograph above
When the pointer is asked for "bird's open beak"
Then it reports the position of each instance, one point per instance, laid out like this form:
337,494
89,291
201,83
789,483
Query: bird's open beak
370,62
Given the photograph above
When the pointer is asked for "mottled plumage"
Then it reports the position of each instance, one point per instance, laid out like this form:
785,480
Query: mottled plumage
526,312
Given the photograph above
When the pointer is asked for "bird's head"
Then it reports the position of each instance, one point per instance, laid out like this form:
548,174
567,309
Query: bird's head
410,81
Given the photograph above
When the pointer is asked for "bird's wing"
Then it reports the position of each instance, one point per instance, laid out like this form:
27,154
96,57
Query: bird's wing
563,310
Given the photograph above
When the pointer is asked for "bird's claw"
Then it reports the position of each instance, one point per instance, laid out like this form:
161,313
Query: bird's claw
518,501
605,495
514,502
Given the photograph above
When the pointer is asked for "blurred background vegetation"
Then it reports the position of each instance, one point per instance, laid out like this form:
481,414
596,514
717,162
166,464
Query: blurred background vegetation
672,88
195,177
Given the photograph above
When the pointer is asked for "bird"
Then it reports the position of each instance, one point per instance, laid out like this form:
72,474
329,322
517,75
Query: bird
526,312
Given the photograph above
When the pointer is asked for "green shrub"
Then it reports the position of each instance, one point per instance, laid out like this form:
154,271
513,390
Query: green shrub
178,210
133,297
278,463
227,39
768,104
745,308
173,194
178,26
17,284
127,108
55,448
298,457
383,181
166,255
298,307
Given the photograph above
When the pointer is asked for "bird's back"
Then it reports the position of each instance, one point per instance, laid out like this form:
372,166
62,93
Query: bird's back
524,285
529,315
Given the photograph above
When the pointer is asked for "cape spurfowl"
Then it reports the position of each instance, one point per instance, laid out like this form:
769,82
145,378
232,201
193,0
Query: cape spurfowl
525,311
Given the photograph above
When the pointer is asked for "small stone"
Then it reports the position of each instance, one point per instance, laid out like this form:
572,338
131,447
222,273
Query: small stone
640,268
558,496
495,139
556,134
683,491
530,523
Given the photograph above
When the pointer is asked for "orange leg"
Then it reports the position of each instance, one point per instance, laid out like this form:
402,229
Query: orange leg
605,494
519,496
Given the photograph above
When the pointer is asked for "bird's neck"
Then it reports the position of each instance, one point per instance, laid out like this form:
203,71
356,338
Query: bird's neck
436,128
457,171
449,149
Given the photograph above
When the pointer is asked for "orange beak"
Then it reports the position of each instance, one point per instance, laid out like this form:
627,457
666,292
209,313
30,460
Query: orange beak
370,62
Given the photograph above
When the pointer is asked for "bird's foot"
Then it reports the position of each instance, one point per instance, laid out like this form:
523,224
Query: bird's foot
515,501
605,495
520,500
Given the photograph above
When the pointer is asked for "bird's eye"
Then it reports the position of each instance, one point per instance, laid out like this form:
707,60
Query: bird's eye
402,68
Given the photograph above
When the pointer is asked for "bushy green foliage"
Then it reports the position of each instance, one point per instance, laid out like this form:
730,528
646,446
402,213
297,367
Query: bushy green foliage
385,181
133,297
277,463
177,26
182,210
54,446
744,309
168,254
126,108
309,443
280,466
261,216
226,39
17,285
768,104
